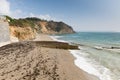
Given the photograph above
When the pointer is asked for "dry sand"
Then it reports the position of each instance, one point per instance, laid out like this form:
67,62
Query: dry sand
43,37
27,61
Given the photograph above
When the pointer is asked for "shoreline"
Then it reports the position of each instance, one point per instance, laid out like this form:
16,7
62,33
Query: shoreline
28,61
82,61
86,74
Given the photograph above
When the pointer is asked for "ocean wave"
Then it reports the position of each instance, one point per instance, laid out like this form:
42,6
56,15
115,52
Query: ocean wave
91,67
109,49
98,47
89,64
56,38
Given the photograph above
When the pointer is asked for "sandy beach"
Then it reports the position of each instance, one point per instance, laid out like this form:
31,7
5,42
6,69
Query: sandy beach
28,61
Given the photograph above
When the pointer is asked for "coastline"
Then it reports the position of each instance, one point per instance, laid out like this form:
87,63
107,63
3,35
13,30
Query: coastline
83,75
91,57
26,61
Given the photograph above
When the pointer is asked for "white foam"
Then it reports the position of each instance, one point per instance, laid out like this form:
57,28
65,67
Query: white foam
98,47
91,67
55,38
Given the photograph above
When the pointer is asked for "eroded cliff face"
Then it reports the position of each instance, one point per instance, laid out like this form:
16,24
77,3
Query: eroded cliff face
27,28
52,27
25,33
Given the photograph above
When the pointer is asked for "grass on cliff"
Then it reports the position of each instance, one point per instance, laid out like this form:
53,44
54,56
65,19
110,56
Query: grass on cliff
26,22
34,23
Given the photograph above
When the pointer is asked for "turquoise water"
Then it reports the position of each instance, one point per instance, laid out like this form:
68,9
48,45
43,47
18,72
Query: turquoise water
94,49
93,38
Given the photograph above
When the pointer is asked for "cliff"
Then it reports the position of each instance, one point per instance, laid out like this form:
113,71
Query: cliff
26,28
51,27
21,33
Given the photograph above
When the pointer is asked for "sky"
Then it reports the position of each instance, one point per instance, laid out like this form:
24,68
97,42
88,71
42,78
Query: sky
82,15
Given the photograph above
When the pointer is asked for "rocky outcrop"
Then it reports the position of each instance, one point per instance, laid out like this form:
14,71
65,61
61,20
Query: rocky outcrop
27,28
55,44
52,27
25,33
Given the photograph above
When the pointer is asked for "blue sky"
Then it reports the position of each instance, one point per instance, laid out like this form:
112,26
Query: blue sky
82,15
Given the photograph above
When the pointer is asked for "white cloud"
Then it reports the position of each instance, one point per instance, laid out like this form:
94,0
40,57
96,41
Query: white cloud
5,10
17,13
45,17
4,7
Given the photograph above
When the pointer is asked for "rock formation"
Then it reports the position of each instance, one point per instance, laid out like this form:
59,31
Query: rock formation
27,28
51,27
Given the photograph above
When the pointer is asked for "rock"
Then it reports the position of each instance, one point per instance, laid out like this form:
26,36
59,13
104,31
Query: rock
22,33
47,44
55,44
27,28
51,27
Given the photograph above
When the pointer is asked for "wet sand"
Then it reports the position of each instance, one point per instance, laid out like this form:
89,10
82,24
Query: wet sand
28,61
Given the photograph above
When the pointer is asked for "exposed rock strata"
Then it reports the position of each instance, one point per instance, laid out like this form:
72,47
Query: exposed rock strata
27,28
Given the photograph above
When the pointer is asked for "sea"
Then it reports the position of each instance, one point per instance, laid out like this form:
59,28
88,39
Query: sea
99,52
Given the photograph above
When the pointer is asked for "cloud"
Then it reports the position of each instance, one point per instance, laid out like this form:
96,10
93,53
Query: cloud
45,17
17,14
4,7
